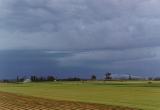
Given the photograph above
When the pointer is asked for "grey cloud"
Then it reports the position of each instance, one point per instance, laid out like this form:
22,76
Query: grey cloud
110,56
91,33
91,24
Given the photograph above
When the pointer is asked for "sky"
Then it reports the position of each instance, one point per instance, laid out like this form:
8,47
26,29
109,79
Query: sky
79,38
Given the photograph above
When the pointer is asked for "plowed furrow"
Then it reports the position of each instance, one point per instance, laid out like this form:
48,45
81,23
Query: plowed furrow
10,101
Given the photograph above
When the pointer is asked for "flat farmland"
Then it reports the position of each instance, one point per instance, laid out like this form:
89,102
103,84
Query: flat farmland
130,94
10,101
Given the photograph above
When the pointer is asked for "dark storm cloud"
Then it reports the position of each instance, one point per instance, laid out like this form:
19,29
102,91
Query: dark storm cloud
27,62
84,24
98,35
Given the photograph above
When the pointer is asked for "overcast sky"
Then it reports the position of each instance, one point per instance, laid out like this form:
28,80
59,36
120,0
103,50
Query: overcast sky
79,37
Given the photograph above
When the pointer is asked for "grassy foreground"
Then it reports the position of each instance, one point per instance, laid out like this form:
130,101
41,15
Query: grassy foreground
137,94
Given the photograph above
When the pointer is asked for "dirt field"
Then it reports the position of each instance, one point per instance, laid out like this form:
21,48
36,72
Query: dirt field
15,102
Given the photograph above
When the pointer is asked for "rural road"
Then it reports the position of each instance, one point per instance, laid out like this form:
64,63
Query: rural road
10,101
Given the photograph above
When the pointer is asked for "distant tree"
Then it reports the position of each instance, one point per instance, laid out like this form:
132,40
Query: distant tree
20,79
33,78
157,79
5,81
108,76
42,79
50,78
150,78
17,79
130,77
71,79
93,77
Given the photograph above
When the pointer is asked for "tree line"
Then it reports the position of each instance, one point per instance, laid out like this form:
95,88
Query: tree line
34,78
107,77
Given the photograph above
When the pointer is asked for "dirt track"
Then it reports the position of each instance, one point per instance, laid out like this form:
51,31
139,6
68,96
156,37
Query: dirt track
15,102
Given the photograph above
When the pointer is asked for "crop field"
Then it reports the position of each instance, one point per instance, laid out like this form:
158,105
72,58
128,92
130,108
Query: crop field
10,101
127,95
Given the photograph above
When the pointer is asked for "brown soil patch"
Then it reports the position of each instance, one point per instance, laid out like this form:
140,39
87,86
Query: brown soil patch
10,101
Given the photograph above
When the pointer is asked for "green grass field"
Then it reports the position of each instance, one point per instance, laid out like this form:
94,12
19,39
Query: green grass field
137,94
